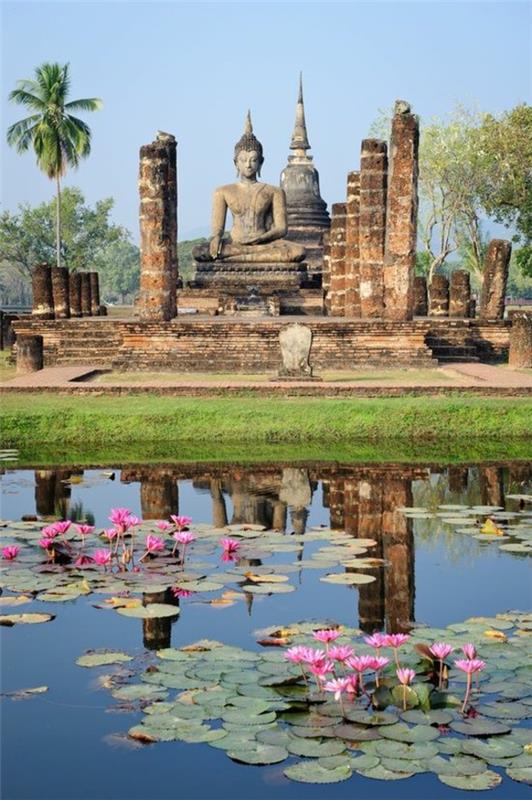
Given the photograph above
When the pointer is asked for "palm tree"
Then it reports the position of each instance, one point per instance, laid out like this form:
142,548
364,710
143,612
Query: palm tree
59,139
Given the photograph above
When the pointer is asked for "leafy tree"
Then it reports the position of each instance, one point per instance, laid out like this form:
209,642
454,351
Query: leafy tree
185,258
58,138
118,265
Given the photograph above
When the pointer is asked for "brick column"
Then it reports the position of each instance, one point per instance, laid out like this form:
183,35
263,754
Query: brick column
336,504
29,354
86,302
337,259
75,294
352,249
460,294
399,553
371,596
421,306
95,293
439,296
43,298
373,176
521,339
60,289
496,265
401,215
45,486
491,486
158,229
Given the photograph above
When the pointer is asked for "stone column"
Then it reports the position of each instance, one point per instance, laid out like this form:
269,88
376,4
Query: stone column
29,353
460,294
352,250
399,553
158,229
373,176
219,511
86,301
60,289
521,340
337,259
401,215
439,296
421,306
496,265
95,293
75,294
43,298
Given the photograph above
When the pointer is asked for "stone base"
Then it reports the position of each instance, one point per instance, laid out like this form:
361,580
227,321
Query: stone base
291,378
232,278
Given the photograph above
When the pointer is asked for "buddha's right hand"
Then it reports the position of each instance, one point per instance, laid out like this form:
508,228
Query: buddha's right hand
214,247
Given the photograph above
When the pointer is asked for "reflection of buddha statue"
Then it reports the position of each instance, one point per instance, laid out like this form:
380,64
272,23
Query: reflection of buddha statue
259,214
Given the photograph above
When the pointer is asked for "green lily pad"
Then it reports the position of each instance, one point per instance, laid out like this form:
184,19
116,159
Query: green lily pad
433,717
381,718
405,733
99,659
379,773
499,747
458,765
139,691
241,717
308,772
521,774
365,761
311,749
25,619
151,611
348,578
356,733
479,727
485,780
389,748
260,754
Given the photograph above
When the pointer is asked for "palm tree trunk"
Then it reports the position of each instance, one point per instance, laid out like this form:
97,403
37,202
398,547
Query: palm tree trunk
58,222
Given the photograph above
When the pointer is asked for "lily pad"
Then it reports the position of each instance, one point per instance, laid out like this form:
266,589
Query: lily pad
260,754
308,772
151,611
25,619
348,578
405,733
479,727
521,774
380,773
99,659
311,749
485,780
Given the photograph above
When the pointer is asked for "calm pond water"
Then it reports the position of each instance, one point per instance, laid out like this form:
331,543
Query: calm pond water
63,744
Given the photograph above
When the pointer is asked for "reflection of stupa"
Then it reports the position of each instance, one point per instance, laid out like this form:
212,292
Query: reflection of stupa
308,218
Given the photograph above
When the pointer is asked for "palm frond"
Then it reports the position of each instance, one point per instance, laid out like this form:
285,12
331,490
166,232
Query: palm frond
25,98
17,134
86,104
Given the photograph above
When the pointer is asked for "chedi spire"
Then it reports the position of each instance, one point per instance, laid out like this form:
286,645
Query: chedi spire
299,137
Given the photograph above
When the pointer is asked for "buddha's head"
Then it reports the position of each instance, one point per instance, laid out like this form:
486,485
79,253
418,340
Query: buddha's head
248,152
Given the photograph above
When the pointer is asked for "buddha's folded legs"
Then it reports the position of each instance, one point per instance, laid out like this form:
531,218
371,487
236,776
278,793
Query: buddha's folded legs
278,251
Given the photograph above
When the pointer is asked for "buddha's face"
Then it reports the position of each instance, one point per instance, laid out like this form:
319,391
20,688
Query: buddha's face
248,163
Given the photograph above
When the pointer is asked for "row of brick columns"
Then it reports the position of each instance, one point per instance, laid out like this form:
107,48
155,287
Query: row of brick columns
370,252
59,293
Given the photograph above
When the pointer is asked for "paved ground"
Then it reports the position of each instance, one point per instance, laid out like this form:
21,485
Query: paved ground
469,377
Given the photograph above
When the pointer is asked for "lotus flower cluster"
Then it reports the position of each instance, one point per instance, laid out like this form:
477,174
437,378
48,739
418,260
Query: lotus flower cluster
338,670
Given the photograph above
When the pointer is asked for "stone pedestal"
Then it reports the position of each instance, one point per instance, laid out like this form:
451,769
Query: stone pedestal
521,340
439,296
352,250
43,299
401,215
158,229
86,295
61,292
29,354
373,179
496,265
95,293
421,306
337,260
75,294
460,294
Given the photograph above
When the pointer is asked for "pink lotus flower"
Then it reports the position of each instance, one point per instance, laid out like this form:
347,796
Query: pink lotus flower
326,636
361,663
405,676
163,525
230,545
314,656
338,685
154,544
85,530
50,532
395,641
340,652
123,519
46,543
10,552
469,666
83,561
377,640
102,557
178,592
180,522
184,537
229,555
297,655
110,533
378,663
352,683
62,527
469,650
441,650
320,669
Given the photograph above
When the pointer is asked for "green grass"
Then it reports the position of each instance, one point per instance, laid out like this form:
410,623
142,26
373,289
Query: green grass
7,371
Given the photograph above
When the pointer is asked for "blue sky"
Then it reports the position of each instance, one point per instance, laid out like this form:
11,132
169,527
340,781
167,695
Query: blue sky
193,69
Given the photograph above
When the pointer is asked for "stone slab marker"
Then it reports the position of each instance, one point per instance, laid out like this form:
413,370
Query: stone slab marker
158,228
295,341
337,260
421,306
439,296
95,293
373,178
75,294
43,298
61,292
29,354
401,215
460,294
352,250
86,303
521,339
496,267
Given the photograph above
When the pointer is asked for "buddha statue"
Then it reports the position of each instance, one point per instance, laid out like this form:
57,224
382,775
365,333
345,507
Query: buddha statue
259,214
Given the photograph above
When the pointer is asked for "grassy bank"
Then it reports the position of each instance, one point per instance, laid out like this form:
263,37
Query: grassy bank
30,422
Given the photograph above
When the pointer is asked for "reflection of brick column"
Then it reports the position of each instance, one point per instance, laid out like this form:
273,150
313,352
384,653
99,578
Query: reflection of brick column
61,293
158,229
491,486
337,259
336,503
495,277
460,294
45,484
95,293
351,506
219,511
399,552
43,298
421,308
521,340
439,296
75,294
352,253
279,516
373,176
159,496
157,632
86,302
401,215
371,595
457,478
